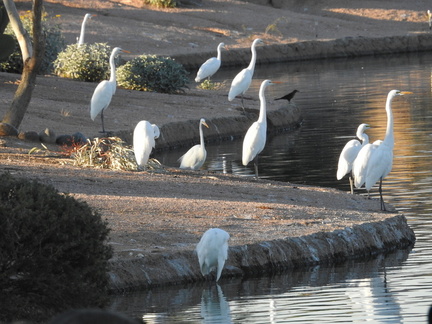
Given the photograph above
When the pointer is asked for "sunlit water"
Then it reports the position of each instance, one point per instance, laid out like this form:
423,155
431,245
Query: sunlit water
336,96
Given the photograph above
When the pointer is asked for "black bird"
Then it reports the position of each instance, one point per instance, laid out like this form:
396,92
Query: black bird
289,96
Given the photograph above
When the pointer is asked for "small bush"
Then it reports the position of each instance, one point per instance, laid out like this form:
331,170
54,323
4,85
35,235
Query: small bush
54,43
209,85
152,73
162,3
53,254
87,62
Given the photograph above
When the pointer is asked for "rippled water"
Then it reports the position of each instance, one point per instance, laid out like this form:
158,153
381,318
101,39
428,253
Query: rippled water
336,96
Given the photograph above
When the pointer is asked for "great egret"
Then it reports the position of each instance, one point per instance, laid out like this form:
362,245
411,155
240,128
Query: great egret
105,90
289,96
210,67
195,157
81,37
242,81
212,251
144,141
429,14
374,161
255,138
350,152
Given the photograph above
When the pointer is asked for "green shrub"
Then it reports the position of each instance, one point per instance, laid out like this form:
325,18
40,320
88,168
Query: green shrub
54,43
152,73
86,62
53,254
162,3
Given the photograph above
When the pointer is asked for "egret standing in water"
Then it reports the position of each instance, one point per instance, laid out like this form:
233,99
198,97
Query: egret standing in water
212,251
210,67
350,152
83,24
195,157
242,81
144,141
105,90
255,138
429,15
374,161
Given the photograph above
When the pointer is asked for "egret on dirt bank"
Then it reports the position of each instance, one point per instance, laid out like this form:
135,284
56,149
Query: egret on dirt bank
195,157
350,152
144,136
374,161
210,67
212,251
255,138
243,79
105,90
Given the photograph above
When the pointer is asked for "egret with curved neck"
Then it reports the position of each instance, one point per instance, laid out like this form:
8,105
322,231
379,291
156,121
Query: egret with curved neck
105,90
350,152
195,157
374,161
211,66
242,81
255,138
83,24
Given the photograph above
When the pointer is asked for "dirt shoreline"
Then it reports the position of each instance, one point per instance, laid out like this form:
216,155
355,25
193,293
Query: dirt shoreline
161,215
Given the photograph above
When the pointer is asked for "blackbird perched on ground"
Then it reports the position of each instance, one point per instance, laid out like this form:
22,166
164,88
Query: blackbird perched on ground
289,96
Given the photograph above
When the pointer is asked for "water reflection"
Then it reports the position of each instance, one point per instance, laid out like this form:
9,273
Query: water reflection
336,96
214,307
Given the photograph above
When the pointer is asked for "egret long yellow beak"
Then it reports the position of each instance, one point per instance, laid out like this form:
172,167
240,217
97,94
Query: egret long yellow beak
205,124
406,92
125,51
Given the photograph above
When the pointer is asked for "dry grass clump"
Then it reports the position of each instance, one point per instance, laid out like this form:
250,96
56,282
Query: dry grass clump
109,153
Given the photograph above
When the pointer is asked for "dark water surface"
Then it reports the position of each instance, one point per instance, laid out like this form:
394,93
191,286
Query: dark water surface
336,96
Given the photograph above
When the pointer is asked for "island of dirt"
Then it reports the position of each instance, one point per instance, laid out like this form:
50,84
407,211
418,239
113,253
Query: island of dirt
158,216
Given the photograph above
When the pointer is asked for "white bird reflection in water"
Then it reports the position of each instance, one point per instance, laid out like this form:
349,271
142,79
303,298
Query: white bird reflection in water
214,307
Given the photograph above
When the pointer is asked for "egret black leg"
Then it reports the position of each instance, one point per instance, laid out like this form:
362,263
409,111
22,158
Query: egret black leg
102,119
381,197
256,166
351,185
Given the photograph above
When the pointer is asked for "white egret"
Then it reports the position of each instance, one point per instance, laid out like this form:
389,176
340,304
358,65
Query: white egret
83,24
429,14
242,81
374,161
195,157
105,90
350,152
289,96
144,141
212,251
255,138
210,67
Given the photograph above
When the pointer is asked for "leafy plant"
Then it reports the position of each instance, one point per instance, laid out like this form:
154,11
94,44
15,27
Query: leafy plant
152,73
53,251
162,3
54,43
209,85
86,62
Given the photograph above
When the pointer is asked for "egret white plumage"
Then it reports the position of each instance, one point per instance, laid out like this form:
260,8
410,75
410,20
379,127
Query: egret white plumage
210,67
105,90
212,251
195,157
83,24
255,138
144,141
349,153
242,80
429,14
374,161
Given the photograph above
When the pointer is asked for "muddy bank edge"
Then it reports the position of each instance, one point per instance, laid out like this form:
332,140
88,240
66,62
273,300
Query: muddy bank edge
360,241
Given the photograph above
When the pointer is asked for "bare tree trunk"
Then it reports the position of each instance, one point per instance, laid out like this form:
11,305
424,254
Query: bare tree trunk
21,100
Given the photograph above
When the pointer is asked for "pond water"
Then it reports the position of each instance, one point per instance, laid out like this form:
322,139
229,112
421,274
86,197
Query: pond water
335,97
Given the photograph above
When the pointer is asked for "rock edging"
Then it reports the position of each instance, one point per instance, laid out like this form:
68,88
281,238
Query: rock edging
310,50
355,242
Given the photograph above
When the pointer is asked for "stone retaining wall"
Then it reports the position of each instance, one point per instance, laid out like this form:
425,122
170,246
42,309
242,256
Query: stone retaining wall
359,241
